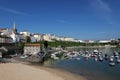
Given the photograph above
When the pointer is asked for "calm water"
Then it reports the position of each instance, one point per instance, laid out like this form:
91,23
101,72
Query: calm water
91,69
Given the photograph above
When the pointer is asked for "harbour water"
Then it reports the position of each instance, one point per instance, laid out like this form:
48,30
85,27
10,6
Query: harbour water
91,69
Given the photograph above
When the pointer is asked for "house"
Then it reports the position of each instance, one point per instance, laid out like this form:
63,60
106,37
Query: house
32,48
38,37
25,33
5,39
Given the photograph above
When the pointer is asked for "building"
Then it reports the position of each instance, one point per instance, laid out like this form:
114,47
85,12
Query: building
47,37
4,39
25,33
104,41
10,33
31,48
38,37
2,30
89,41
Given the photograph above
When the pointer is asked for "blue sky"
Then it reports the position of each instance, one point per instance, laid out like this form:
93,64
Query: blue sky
82,19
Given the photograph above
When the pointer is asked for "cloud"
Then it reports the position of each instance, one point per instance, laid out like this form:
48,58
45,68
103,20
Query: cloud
12,11
104,6
103,10
63,21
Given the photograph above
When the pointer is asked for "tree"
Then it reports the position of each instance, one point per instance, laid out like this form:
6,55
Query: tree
28,39
46,44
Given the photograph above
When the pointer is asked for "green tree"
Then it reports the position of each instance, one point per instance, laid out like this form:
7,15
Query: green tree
46,44
28,39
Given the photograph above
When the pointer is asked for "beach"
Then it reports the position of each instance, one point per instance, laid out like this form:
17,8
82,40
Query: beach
20,71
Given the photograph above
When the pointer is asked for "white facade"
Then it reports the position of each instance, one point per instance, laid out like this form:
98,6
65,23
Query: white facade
33,39
104,41
38,37
31,48
25,33
47,37
10,33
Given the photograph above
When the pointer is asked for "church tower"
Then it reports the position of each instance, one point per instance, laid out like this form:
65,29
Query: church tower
14,28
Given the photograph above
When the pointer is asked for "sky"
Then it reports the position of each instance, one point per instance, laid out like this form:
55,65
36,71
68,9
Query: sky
81,19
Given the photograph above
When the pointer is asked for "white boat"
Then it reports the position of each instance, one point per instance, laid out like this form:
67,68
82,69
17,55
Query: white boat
112,64
100,58
111,58
118,60
56,58
96,58
95,52
23,56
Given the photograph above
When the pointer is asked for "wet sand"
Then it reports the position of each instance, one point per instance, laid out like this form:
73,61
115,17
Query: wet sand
60,72
25,71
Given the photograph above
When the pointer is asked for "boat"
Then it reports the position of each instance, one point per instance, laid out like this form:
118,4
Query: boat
95,52
115,53
118,60
111,58
100,58
96,58
112,64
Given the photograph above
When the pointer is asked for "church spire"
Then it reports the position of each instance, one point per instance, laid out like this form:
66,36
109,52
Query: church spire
14,27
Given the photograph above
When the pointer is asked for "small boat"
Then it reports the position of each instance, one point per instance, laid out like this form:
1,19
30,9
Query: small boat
78,58
96,58
116,57
111,58
115,53
56,58
112,64
95,52
100,58
118,60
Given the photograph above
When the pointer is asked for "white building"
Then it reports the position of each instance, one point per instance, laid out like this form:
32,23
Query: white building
25,33
89,41
38,37
33,39
104,41
47,37
31,48
11,33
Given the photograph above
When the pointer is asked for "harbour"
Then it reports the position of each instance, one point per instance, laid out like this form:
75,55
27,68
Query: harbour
90,68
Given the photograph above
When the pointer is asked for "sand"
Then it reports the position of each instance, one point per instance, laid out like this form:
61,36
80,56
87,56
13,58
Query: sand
18,71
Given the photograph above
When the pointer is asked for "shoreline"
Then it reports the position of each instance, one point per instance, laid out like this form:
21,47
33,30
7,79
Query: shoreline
57,71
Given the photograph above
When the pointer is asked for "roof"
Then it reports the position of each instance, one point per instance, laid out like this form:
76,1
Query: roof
32,44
